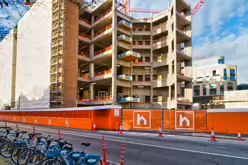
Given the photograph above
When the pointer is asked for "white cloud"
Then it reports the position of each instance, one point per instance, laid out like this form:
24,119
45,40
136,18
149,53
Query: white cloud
234,48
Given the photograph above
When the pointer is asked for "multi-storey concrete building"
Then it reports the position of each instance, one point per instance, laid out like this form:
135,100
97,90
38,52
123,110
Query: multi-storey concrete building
211,77
104,56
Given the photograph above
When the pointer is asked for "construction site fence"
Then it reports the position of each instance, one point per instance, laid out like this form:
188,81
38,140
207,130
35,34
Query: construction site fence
112,117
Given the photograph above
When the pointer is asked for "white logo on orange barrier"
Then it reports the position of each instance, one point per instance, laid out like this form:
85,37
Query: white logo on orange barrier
184,120
142,119
24,120
67,123
14,118
35,121
49,122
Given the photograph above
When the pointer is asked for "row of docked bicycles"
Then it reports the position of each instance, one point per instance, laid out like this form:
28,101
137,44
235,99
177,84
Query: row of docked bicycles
25,148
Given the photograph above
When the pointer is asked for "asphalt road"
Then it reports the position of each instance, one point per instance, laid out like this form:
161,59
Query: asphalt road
152,150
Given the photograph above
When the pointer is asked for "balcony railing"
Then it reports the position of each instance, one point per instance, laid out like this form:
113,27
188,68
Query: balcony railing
159,99
128,99
129,55
103,100
125,77
85,77
83,55
159,26
142,83
101,16
103,30
103,73
103,50
141,29
85,21
85,36
140,43
183,100
141,63
125,24
125,38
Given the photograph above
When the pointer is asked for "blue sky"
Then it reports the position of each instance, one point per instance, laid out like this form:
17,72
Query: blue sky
219,28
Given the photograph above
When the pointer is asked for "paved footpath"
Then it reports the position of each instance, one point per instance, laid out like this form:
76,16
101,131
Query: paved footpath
148,149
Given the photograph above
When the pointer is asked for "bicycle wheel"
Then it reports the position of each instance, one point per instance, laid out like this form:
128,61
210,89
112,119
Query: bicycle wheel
16,152
99,162
23,157
6,149
50,161
35,159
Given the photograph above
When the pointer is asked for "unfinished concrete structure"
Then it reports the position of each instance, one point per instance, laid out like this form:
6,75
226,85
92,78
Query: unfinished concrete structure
106,57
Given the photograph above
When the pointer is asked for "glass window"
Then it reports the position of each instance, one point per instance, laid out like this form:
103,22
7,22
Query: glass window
197,90
147,78
134,77
232,75
214,73
225,74
147,59
220,61
140,77
204,90
221,89
212,89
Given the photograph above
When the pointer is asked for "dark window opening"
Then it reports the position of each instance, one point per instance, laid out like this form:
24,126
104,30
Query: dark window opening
140,77
147,78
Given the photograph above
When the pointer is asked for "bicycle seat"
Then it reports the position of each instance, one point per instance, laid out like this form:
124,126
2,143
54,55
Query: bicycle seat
85,144
23,132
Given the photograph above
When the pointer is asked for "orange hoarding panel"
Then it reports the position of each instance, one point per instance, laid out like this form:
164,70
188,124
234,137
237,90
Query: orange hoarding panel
185,120
228,121
142,119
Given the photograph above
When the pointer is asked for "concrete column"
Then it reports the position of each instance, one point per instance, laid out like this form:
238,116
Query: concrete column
207,89
201,90
91,91
92,70
225,86
188,91
218,88
114,55
92,51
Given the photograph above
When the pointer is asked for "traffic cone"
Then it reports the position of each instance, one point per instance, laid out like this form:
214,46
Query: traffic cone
213,135
160,133
121,129
239,137
59,134
94,127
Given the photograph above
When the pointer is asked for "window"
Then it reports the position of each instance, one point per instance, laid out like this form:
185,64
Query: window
147,59
140,59
225,74
214,73
199,79
140,77
204,90
197,90
232,75
134,77
220,61
221,89
155,77
147,78
212,89
147,99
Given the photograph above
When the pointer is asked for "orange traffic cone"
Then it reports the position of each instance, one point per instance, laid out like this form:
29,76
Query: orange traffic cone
213,135
121,129
160,133
239,137
94,127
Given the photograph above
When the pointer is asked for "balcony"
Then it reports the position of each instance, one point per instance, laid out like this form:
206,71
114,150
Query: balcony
159,83
84,77
181,77
102,32
182,36
125,77
85,22
102,17
129,56
181,56
141,31
141,45
160,61
85,38
103,74
128,100
159,102
124,24
141,63
103,101
104,52
159,43
141,83
125,38
83,56
182,19
160,28
183,101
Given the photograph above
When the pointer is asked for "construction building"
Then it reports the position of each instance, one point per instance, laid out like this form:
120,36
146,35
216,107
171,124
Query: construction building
211,78
103,56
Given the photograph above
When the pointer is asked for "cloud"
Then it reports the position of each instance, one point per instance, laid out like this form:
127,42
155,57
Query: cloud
233,47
